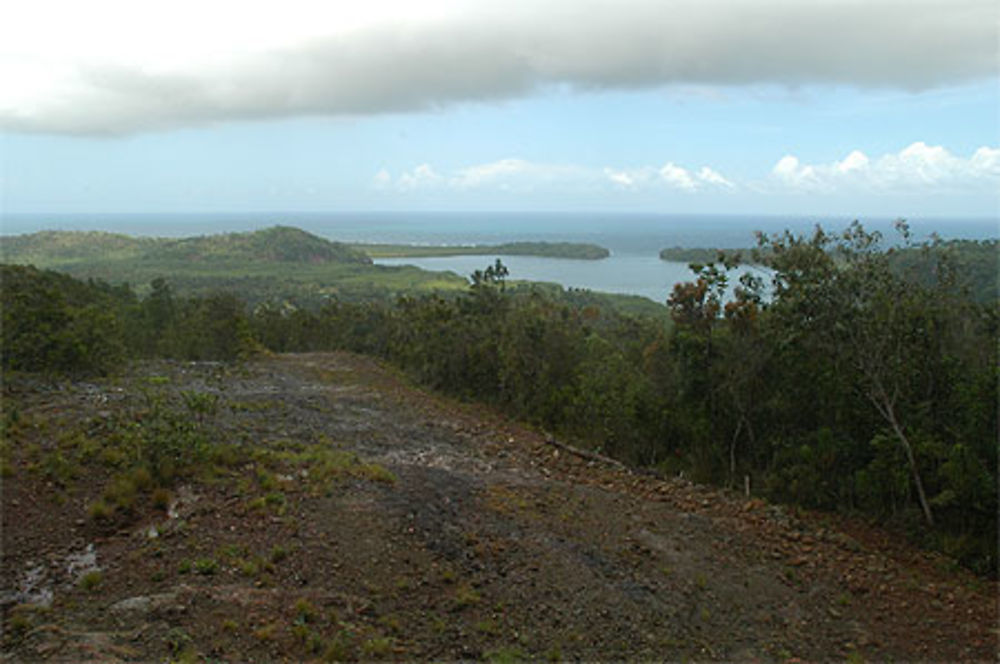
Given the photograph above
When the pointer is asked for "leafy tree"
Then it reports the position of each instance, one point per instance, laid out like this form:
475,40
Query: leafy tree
53,323
883,330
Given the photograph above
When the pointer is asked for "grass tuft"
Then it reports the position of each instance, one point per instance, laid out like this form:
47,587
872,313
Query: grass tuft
91,580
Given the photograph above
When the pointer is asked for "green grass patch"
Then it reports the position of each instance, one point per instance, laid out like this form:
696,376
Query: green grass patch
506,655
99,510
206,566
380,646
305,612
90,581
466,595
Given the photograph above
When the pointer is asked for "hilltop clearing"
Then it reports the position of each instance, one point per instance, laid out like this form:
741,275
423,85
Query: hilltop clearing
317,506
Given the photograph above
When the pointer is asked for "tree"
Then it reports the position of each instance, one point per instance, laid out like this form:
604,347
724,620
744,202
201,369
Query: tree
54,323
745,356
842,292
160,316
695,308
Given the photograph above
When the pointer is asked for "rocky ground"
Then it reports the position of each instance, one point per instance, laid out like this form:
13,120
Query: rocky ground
335,512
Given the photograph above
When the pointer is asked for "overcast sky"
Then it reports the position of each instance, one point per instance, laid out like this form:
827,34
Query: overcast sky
856,108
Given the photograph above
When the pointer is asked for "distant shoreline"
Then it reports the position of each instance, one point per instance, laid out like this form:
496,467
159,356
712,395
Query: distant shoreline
569,250
620,232
706,255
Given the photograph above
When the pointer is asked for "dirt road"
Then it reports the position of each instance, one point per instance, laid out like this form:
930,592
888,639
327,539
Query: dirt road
348,515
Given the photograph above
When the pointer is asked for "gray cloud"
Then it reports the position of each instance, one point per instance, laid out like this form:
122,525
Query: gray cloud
489,55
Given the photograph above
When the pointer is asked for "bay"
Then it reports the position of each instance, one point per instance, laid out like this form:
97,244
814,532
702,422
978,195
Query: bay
647,276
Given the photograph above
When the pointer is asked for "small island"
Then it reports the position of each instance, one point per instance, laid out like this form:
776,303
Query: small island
575,250
703,254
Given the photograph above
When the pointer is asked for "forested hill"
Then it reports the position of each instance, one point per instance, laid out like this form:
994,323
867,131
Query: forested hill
277,244
972,264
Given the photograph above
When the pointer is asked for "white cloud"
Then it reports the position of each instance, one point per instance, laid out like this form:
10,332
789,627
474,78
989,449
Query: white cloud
709,176
504,169
421,177
621,178
986,162
677,177
114,66
791,172
504,174
918,164
514,174
631,179
670,175
918,168
517,174
855,162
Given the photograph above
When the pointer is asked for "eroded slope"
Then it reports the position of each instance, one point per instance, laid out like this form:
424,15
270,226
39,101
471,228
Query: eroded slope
338,513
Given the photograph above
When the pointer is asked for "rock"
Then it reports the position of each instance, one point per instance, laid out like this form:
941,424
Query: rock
45,649
145,603
141,603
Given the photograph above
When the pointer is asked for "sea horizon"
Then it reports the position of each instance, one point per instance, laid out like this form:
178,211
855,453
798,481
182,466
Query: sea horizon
632,233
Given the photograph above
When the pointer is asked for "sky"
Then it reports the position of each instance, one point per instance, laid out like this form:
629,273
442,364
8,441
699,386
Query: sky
847,107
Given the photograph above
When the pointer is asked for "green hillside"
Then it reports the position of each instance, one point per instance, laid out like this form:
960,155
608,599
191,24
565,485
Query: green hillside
278,244
51,248
281,244
279,263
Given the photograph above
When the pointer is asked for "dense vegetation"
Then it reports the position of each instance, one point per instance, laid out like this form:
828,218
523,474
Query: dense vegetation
973,263
546,249
851,386
699,254
278,244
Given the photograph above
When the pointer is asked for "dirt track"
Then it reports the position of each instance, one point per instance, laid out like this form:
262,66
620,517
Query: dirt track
482,541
